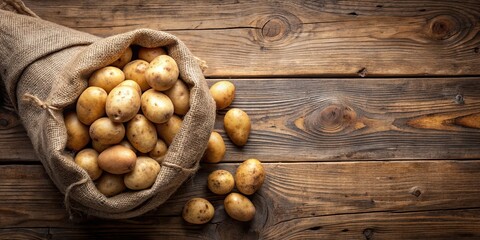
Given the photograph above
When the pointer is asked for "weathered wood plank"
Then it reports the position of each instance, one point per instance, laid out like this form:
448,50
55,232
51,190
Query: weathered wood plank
343,119
279,38
303,200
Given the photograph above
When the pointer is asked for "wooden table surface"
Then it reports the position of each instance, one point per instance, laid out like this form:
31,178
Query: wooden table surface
366,115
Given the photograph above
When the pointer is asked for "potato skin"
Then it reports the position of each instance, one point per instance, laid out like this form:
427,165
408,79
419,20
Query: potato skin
168,130
249,176
106,78
88,160
117,160
239,207
106,132
127,144
156,106
148,54
220,182
223,92
180,96
143,174
122,104
91,105
124,58
77,132
237,126
99,147
141,133
162,73
135,70
133,84
198,211
159,151
215,149
110,184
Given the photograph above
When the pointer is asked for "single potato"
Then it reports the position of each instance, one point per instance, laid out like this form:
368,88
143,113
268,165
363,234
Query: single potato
156,106
159,151
237,125
106,132
148,54
110,184
168,130
133,84
215,149
124,58
180,96
223,92
88,160
77,132
135,70
99,147
143,174
220,182
249,176
91,105
106,78
198,211
239,207
117,160
162,73
141,133
122,104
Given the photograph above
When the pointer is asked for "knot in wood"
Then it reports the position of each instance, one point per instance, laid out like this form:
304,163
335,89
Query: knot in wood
331,119
443,27
275,28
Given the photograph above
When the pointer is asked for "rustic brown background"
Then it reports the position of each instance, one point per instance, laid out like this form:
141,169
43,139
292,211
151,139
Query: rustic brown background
365,113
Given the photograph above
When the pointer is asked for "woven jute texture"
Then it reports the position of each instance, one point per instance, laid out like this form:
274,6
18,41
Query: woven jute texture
45,67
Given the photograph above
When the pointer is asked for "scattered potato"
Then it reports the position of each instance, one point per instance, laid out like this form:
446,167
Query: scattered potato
162,73
124,58
148,54
133,84
215,149
88,160
122,104
156,106
106,78
180,96
135,70
198,211
117,159
239,207
143,174
223,92
110,184
91,105
220,182
77,132
141,133
168,130
159,151
237,126
249,176
105,131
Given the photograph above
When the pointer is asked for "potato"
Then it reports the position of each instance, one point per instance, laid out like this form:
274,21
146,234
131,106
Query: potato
91,105
124,58
220,182
133,84
159,151
99,147
122,104
88,160
148,54
106,132
215,148
249,176
143,174
141,133
168,130
180,96
127,144
223,92
110,184
117,159
237,125
198,211
239,207
106,78
156,106
77,132
162,73
135,70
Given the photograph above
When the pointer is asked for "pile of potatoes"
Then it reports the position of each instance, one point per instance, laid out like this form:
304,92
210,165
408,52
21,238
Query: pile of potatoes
125,120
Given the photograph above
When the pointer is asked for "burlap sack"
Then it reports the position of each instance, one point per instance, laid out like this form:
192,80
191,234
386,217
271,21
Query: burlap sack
45,67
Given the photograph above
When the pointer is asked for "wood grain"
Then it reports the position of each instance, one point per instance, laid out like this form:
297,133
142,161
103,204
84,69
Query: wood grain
304,200
297,38
341,119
